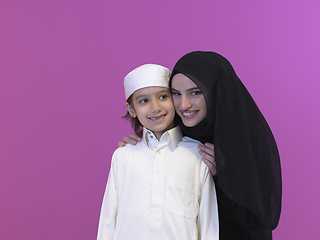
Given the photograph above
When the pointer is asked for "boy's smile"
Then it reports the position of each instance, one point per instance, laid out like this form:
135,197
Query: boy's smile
158,117
154,108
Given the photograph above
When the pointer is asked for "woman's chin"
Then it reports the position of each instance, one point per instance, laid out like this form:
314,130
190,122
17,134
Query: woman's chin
193,119
189,123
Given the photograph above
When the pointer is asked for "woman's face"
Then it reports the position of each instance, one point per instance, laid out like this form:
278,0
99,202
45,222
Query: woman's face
188,100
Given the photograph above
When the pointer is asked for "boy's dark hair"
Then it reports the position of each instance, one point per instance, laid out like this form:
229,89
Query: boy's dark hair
135,123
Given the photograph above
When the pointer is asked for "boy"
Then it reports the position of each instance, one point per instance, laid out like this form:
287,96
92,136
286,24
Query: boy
159,188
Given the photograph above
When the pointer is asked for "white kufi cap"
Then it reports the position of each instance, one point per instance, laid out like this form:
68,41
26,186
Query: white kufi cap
148,75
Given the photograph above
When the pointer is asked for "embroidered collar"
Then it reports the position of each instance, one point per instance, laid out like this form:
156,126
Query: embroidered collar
172,137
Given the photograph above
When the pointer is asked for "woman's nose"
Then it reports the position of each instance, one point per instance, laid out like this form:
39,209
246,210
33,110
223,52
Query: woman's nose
185,103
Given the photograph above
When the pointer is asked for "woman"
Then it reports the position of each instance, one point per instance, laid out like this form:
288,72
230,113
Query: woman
213,106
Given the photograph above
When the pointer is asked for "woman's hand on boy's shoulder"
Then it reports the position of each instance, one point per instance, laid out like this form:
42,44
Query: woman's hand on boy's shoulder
133,139
207,153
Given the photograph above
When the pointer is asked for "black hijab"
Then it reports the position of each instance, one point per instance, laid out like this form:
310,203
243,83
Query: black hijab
246,154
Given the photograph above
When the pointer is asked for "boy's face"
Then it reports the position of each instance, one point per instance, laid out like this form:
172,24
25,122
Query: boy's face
154,108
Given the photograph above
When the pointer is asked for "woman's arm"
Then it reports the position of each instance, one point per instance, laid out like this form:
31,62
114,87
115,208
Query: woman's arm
207,153
133,139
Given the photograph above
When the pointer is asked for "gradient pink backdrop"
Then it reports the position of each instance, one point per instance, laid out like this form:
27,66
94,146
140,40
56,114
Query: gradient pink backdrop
62,65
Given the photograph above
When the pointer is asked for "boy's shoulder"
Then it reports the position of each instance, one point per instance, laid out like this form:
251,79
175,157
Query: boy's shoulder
188,147
128,149
187,141
188,151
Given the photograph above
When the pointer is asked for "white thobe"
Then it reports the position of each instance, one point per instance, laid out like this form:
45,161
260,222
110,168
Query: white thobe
159,190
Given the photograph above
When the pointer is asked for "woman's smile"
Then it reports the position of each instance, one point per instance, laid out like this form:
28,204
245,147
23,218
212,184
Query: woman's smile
189,113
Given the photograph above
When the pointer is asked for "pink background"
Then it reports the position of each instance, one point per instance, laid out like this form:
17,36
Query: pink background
62,65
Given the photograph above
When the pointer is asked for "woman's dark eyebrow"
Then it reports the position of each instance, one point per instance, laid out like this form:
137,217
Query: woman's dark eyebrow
195,88
190,89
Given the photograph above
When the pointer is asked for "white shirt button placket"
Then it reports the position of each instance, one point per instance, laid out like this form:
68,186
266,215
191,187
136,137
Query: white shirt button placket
157,188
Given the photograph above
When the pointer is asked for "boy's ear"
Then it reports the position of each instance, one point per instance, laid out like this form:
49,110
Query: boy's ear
130,110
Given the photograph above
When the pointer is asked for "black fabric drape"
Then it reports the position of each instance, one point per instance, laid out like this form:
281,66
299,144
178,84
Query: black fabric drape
248,177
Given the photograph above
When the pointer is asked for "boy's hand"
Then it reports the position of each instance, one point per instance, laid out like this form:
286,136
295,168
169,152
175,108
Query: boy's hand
207,153
133,139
